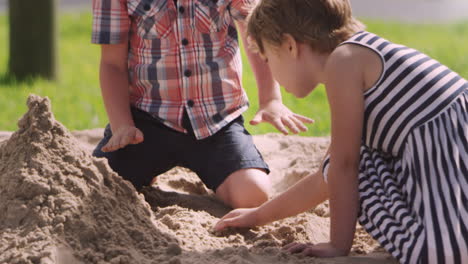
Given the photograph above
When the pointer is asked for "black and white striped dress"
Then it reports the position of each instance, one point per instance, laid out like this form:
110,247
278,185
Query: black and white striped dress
413,176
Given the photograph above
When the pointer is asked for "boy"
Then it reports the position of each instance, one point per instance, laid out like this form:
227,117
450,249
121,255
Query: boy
171,83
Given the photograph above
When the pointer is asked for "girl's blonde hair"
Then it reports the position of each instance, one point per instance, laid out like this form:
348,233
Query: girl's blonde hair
322,24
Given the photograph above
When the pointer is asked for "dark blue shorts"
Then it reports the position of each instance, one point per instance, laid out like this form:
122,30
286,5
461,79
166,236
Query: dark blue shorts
213,159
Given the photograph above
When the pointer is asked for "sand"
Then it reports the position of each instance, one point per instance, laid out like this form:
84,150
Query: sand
61,205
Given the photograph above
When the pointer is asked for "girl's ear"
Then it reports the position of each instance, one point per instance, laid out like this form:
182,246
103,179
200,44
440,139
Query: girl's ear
252,45
291,45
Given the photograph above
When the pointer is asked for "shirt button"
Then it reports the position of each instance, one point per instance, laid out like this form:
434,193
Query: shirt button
146,7
185,42
190,103
188,73
181,9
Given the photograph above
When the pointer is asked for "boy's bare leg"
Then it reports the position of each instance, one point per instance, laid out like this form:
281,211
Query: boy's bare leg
245,188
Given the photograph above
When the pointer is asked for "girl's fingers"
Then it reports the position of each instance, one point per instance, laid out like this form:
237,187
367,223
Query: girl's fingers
231,214
311,252
298,248
289,245
222,224
224,221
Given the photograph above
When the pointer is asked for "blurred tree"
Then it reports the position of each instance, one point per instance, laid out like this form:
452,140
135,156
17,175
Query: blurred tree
33,39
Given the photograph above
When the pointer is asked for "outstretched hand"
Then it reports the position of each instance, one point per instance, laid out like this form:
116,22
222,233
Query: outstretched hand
277,114
122,137
244,217
324,250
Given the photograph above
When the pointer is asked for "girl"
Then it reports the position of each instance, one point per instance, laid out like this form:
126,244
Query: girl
399,151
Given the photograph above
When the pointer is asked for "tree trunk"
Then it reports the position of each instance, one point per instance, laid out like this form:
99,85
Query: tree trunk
33,39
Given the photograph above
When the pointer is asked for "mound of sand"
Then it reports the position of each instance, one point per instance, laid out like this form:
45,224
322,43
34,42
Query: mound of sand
61,205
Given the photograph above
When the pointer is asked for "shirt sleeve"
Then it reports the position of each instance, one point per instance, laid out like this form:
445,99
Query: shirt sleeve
240,9
111,22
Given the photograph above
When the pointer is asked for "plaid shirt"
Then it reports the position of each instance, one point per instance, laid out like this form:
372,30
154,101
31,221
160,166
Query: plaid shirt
182,54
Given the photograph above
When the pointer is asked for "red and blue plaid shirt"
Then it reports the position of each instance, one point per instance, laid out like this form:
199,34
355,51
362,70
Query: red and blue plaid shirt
182,54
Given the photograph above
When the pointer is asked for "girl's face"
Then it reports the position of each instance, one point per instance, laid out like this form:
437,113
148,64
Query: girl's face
291,66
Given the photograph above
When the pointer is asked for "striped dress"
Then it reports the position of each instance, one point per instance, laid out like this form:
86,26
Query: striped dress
413,175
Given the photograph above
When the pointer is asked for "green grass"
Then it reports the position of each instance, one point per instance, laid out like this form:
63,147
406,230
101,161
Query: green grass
76,96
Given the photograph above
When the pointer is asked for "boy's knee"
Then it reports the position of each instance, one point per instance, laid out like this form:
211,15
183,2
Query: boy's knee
254,198
245,189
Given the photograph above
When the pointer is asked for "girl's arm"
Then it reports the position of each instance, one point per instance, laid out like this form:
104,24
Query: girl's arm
304,195
350,70
344,84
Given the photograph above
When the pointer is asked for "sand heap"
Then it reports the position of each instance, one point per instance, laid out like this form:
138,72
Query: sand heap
60,205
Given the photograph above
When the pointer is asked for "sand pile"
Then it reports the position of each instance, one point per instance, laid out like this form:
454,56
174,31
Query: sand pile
60,205
58,201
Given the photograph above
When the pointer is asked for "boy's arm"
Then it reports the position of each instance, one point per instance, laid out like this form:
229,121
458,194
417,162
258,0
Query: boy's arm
271,107
111,26
114,84
115,93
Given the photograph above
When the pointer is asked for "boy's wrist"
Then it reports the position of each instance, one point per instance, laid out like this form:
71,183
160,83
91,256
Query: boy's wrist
265,103
269,93
120,125
118,116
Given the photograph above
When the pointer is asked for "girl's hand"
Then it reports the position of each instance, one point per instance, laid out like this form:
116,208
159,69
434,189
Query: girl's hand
323,250
244,217
122,137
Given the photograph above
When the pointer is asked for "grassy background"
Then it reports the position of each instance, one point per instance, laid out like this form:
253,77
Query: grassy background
76,96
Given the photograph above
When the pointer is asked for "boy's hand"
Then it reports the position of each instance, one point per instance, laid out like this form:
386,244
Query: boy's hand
122,137
323,250
244,217
277,114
